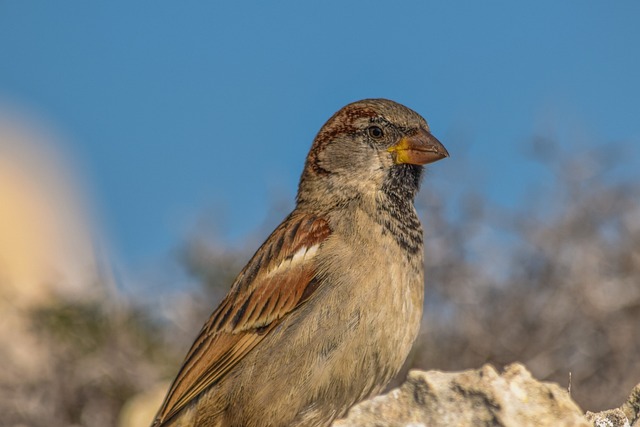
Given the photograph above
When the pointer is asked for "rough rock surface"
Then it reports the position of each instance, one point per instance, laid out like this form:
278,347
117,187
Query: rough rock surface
627,415
483,398
475,398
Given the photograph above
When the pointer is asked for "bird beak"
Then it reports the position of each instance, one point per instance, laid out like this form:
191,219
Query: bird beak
418,149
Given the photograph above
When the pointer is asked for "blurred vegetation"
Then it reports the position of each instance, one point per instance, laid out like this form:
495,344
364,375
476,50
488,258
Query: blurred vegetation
565,298
97,354
554,284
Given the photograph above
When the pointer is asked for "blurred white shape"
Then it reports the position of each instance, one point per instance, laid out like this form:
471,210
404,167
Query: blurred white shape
45,237
140,410
46,248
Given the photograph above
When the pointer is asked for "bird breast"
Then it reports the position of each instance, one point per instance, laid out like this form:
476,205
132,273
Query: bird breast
380,290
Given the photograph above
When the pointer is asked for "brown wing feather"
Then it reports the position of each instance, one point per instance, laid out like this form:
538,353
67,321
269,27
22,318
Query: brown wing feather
266,290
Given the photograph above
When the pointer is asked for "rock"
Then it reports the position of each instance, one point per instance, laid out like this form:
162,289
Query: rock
627,415
477,398
609,418
471,398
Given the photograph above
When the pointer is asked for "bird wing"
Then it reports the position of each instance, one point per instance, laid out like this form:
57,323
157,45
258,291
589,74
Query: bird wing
278,278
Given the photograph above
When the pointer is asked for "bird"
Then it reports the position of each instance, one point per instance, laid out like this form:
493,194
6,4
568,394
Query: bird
326,311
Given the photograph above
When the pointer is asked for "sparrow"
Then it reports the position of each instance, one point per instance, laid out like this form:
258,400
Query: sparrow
326,311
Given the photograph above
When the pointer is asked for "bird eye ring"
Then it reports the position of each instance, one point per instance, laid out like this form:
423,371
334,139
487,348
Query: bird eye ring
375,132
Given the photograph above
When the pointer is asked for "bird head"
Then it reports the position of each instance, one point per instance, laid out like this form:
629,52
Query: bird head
365,147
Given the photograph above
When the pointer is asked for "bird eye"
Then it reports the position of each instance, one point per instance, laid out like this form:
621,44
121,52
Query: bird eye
375,132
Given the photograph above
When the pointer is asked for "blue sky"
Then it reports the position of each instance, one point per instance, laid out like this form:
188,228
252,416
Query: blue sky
175,109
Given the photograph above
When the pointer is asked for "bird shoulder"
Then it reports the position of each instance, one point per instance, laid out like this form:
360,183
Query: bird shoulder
279,277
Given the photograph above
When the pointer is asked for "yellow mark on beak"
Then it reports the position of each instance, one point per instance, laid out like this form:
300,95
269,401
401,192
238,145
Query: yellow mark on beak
418,149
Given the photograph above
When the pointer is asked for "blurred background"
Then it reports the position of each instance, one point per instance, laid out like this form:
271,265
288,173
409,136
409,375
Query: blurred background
147,149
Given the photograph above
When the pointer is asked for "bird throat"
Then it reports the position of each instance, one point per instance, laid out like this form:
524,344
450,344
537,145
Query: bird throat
403,182
395,211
